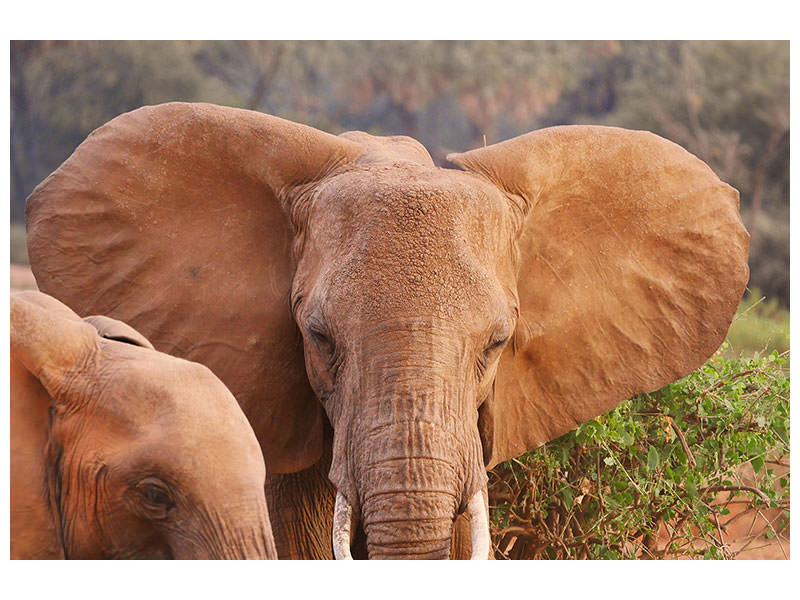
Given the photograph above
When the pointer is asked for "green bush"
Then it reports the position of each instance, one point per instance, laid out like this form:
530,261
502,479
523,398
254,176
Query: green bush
659,476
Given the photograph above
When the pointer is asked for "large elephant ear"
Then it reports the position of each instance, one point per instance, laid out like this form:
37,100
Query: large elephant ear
172,218
633,259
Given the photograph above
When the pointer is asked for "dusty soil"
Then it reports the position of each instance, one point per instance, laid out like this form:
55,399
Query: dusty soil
749,532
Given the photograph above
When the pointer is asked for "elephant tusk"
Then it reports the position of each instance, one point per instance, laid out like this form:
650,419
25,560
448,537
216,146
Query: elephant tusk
478,512
342,520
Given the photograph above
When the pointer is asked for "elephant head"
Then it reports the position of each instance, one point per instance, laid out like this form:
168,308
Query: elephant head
120,451
440,320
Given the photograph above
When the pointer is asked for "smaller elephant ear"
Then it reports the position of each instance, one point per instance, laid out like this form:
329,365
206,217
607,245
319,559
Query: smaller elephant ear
633,259
112,329
47,338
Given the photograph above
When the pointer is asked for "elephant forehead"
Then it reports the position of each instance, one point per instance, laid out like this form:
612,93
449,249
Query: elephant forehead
142,387
405,206
408,240
414,281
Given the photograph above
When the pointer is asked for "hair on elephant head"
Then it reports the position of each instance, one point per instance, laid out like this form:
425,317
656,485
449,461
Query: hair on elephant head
119,451
440,320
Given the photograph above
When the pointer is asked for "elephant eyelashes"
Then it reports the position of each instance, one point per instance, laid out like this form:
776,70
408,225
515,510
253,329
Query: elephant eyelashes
323,342
319,338
494,346
156,499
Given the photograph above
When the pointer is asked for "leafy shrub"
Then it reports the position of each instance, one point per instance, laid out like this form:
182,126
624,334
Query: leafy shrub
664,475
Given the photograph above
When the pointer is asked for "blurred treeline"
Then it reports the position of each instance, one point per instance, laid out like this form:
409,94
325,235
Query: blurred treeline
725,101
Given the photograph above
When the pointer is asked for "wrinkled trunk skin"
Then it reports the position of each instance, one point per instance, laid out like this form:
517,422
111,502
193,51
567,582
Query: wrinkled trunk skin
409,524
411,488
215,537
407,454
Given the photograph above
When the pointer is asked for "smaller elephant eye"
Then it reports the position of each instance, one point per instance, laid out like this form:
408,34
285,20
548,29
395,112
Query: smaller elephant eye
154,492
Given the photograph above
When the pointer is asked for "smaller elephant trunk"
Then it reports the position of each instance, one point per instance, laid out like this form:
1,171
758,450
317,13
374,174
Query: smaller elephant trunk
254,546
218,535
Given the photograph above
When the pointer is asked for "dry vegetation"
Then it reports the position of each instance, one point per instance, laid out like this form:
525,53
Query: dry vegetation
699,469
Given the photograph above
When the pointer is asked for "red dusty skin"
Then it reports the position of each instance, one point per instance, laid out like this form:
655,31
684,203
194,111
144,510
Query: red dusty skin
411,486
409,523
212,536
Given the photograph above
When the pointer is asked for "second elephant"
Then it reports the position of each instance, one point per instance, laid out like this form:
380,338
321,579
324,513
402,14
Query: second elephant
120,451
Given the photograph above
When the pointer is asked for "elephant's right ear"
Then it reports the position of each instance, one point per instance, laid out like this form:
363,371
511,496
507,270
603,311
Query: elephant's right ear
173,218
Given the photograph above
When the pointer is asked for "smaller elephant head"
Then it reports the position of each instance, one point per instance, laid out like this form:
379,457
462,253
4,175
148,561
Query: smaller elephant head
120,451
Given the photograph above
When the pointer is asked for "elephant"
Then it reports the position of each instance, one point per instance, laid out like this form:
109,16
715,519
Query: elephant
119,451
391,328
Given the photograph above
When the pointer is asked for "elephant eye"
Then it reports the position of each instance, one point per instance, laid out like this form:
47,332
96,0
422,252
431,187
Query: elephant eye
319,337
321,340
494,345
155,494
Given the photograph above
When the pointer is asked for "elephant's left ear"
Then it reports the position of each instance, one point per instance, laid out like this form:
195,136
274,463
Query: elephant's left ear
633,259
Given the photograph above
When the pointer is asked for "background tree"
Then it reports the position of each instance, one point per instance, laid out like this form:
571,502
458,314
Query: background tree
726,101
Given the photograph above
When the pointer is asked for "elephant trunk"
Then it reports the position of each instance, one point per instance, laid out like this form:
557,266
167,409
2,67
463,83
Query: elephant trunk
407,458
409,525
344,523
221,539
408,508
411,486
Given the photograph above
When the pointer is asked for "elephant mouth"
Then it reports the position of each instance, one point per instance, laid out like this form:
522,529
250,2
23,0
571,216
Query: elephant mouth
477,510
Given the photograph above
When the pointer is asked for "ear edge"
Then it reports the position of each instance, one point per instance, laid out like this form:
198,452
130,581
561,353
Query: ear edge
277,159
45,342
34,525
115,330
